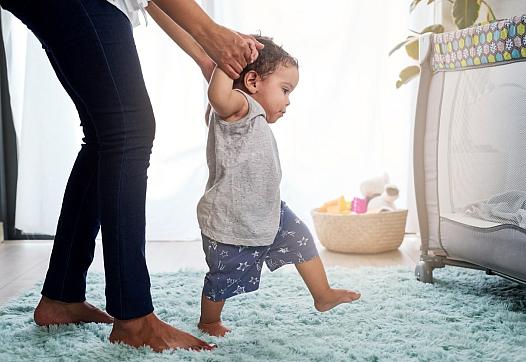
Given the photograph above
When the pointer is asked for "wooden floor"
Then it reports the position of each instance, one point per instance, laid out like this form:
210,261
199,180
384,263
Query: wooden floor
24,263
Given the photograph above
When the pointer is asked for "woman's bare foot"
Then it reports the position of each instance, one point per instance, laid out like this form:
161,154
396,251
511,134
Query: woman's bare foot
153,332
334,297
49,311
216,329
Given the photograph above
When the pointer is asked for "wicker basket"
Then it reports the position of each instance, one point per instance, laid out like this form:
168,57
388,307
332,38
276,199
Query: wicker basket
360,233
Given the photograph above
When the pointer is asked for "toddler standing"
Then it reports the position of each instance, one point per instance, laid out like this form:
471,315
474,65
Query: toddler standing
243,221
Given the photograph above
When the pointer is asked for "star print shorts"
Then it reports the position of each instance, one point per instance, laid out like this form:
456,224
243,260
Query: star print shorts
237,269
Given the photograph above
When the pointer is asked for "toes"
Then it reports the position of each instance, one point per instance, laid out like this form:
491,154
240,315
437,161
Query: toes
354,295
206,347
203,346
108,320
201,342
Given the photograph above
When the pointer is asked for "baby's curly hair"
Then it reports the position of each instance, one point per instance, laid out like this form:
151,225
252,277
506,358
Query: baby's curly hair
269,59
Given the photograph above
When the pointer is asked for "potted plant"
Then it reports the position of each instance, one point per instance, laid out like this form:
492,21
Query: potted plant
465,13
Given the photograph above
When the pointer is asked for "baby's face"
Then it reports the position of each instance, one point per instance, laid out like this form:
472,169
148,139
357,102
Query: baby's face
273,95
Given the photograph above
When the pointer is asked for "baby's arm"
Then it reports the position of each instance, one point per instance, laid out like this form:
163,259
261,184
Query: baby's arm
228,103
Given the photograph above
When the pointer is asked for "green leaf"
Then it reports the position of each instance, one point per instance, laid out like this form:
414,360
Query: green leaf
413,5
411,48
435,28
401,44
407,74
465,12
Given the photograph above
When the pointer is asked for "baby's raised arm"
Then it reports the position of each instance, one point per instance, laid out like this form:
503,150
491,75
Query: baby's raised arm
228,103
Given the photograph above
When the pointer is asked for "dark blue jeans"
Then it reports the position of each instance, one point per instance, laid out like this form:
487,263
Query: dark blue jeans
91,48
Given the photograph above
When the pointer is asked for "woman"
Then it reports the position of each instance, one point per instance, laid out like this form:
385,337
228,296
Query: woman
91,48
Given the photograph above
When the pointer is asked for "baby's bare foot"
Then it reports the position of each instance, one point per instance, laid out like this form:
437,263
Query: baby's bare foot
334,297
216,329
49,311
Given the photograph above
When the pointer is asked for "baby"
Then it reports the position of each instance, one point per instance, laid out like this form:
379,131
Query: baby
243,221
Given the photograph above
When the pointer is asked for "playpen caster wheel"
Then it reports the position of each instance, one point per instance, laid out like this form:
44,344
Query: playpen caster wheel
424,272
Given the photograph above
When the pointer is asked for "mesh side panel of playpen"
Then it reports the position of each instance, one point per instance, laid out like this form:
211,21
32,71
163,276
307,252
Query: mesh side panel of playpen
482,170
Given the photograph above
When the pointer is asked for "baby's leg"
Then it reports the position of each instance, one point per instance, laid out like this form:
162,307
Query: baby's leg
294,244
325,297
233,270
210,321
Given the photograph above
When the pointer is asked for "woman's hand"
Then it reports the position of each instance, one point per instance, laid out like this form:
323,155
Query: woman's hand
231,51
254,45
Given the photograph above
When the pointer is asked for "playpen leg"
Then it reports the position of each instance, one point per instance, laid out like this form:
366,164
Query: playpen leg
424,272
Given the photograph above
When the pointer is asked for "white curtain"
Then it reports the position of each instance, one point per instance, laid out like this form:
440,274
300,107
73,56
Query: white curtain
346,122
47,127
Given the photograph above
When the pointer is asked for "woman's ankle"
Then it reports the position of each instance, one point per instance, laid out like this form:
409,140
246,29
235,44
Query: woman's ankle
135,323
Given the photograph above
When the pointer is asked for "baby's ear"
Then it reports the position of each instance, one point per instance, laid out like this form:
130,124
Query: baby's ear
250,81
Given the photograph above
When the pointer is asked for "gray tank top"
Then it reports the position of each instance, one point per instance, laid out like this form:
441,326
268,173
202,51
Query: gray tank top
241,203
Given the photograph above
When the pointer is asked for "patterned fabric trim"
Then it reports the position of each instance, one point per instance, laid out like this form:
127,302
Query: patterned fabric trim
496,43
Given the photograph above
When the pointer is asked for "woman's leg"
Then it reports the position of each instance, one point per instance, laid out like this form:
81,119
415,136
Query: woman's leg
99,62
70,283
79,221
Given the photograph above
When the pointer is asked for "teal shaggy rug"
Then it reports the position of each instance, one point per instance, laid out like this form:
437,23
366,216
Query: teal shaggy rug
465,315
